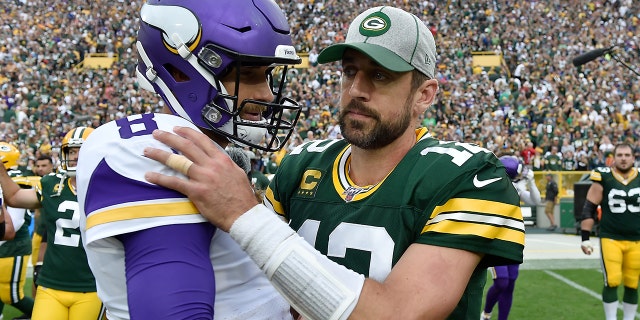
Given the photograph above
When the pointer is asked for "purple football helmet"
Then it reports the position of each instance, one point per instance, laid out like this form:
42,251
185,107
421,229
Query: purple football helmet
512,165
205,40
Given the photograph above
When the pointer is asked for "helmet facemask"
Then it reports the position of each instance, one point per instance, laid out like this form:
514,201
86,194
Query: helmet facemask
73,139
65,158
278,117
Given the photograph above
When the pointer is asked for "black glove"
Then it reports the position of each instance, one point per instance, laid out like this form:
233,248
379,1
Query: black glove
36,271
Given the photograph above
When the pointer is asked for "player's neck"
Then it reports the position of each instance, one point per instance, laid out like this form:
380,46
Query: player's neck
219,139
369,167
623,175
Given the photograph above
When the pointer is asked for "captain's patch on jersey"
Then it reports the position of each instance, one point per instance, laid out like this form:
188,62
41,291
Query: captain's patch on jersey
309,183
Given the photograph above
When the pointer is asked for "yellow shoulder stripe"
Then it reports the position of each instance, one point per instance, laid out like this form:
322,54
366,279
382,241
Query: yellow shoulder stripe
139,211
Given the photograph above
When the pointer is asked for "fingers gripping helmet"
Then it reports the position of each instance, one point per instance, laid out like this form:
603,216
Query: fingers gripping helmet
202,42
512,165
9,154
73,139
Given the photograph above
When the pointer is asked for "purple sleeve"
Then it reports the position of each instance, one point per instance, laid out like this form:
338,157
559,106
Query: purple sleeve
169,274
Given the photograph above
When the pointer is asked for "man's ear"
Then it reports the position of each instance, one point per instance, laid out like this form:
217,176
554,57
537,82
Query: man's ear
426,94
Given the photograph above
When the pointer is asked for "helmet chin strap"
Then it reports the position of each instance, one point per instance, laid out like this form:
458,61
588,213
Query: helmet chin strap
251,134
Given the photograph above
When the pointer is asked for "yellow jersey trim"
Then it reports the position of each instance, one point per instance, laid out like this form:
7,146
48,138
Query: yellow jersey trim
140,211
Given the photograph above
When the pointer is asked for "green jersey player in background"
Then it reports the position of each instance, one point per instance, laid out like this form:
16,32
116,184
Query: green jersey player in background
391,223
14,254
67,289
617,190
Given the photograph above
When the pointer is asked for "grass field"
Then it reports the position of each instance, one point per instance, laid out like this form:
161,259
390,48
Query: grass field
568,294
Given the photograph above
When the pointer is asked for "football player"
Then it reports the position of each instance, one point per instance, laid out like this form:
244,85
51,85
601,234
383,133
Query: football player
214,64
67,289
43,167
616,190
14,254
504,277
391,223
7,231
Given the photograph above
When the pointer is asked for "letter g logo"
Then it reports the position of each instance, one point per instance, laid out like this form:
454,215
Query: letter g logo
375,24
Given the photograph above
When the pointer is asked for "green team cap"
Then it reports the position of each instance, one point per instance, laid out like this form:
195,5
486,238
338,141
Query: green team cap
394,38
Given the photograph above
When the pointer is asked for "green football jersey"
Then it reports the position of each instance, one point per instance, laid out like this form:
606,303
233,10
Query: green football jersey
553,162
65,265
21,244
620,204
442,193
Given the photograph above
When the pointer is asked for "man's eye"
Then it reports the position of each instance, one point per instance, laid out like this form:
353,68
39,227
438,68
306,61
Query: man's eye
349,72
379,76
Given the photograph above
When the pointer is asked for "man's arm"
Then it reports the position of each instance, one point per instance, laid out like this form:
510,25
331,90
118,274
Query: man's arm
40,258
15,196
594,198
529,193
427,282
8,232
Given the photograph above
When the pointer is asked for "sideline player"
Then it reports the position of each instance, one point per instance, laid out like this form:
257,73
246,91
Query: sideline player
213,64
504,277
398,225
617,190
7,231
66,286
43,167
14,254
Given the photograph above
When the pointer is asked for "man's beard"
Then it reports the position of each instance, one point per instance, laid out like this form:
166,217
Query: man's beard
624,170
381,134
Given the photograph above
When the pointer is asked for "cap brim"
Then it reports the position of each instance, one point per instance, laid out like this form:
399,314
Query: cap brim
383,56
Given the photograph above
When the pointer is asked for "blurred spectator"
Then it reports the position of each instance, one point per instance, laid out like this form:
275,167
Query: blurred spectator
569,162
553,160
536,97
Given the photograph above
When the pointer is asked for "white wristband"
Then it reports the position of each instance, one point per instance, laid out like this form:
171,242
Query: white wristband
259,232
315,286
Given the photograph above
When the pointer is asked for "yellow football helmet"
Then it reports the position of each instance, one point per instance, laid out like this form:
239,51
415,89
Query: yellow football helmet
73,139
10,155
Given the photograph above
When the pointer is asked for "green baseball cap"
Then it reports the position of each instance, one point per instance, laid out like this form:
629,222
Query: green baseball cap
395,39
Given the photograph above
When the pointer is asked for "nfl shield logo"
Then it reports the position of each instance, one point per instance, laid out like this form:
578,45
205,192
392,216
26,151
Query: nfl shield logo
351,192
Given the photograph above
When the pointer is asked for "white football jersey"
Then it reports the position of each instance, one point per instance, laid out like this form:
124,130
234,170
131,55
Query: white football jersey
115,199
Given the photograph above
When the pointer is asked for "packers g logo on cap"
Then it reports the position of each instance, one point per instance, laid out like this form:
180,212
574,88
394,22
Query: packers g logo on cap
375,24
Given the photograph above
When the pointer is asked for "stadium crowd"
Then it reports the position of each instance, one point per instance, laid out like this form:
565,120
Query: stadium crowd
552,114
